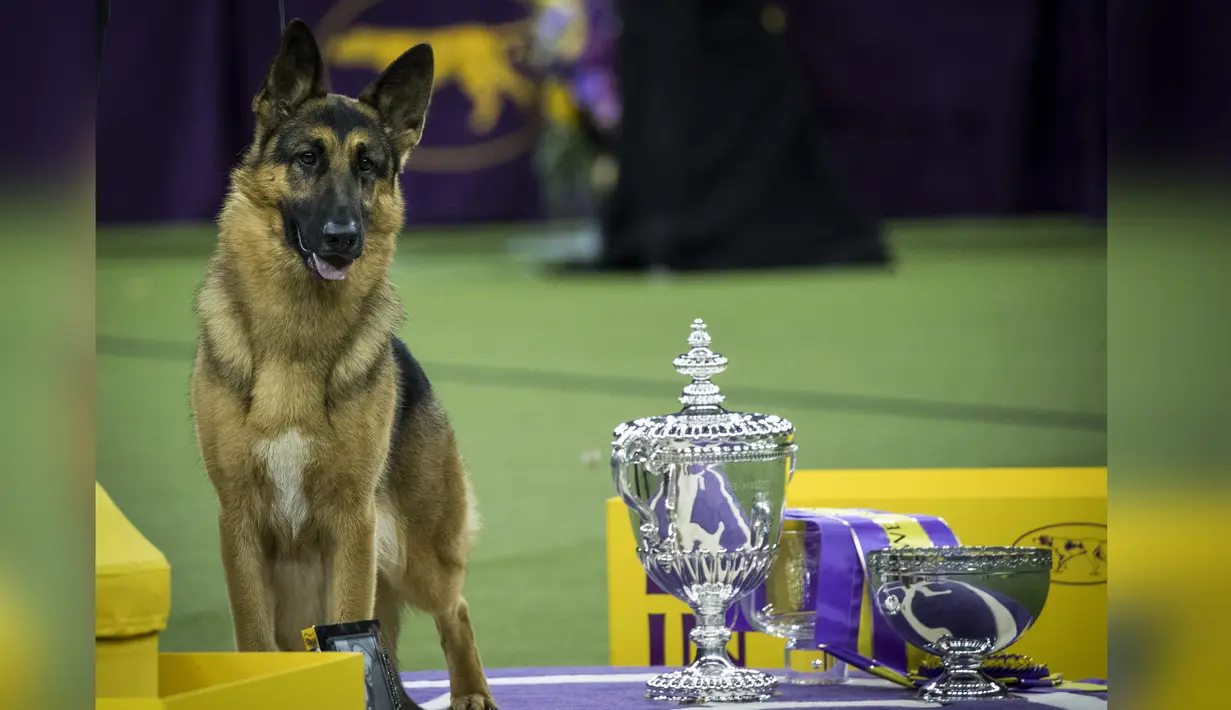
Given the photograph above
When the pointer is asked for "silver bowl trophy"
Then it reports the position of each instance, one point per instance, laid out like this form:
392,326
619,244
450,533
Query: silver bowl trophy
961,604
707,489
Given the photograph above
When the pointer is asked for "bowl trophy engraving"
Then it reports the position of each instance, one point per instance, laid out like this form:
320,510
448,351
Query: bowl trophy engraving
706,491
961,604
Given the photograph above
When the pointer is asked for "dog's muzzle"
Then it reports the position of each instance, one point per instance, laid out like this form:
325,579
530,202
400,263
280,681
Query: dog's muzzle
341,244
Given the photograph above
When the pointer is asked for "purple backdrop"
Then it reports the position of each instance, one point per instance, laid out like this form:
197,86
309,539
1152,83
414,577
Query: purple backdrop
945,107
961,106
178,79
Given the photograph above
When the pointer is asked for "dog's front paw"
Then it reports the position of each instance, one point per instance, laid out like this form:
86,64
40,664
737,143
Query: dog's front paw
475,701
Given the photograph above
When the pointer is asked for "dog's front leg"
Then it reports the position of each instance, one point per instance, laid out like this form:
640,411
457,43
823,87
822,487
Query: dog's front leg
350,562
248,585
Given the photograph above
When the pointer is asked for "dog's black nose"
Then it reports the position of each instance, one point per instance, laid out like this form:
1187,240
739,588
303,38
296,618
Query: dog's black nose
342,237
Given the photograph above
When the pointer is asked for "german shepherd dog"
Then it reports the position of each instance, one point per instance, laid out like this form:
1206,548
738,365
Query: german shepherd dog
342,495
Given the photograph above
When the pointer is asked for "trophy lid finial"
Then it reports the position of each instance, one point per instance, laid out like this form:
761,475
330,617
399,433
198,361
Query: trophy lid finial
705,432
700,363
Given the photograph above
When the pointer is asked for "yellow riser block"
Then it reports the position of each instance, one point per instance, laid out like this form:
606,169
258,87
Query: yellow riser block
240,681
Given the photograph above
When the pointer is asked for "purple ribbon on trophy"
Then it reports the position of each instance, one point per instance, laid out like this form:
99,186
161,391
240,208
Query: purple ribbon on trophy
835,545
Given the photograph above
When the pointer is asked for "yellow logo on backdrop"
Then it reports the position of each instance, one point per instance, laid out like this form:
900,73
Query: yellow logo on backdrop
1079,551
478,59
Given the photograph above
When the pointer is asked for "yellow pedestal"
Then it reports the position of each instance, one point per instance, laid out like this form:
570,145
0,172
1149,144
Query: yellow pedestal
1031,507
132,600
243,681
126,668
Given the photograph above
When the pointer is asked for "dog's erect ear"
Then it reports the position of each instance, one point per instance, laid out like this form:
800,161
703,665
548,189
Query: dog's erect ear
296,75
401,94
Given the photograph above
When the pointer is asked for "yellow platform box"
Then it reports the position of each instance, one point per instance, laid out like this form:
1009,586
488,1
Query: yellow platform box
132,601
1061,508
240,681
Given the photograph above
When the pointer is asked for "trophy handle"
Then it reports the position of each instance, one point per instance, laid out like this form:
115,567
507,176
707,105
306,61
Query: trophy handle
624,459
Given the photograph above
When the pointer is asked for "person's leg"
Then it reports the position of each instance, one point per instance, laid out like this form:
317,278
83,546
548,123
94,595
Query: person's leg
102,19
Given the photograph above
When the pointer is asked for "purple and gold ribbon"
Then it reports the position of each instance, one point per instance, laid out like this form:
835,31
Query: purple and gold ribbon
845,617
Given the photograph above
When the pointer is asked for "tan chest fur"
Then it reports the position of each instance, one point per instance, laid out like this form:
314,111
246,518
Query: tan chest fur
289,439
284,461
285,395
298,435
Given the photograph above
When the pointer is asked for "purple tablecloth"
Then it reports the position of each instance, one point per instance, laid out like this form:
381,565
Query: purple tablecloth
623,688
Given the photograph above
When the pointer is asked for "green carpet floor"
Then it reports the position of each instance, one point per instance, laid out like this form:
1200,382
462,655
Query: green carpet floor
985,346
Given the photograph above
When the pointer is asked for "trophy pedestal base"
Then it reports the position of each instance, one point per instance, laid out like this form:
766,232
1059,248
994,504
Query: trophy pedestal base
956,687
717,683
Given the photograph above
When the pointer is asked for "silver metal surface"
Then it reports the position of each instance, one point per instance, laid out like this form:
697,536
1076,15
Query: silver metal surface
961,604
706,489
780,611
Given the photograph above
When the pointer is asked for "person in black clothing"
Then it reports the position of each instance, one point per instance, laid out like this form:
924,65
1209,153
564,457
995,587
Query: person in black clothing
720,166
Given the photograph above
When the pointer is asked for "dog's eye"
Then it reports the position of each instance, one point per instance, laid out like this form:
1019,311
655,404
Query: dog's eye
307,157
366,165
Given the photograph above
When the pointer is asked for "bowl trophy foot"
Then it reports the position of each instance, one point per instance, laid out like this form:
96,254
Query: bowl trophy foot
963,679
712,677
951,688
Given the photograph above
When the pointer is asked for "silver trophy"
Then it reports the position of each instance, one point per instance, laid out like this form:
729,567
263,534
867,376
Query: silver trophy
962,604
706,488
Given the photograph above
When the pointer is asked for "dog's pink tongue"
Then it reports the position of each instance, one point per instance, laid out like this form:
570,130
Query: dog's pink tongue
329,271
